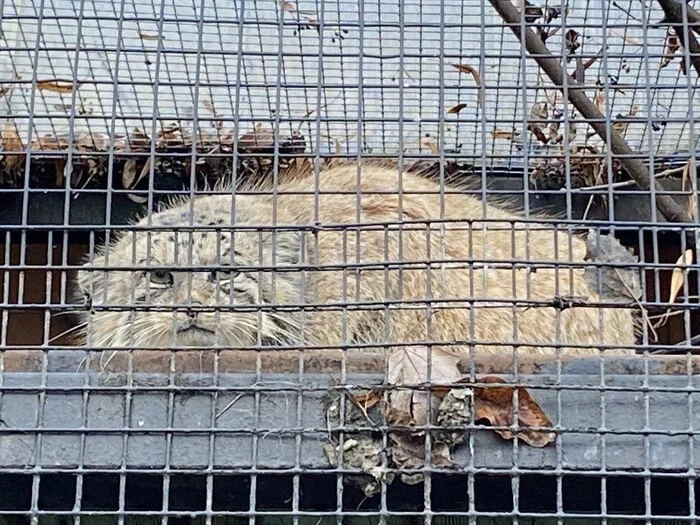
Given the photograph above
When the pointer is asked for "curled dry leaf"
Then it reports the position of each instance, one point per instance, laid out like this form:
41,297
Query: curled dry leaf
148,36
503,134
457,108
431,145
466,68
138,199
572,41
495,405
672,45
599,100
677,277
129,173
210,106
408,369
57,86
366,401
287,6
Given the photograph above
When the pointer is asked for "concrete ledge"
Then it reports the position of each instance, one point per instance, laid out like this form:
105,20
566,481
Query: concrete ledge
622,421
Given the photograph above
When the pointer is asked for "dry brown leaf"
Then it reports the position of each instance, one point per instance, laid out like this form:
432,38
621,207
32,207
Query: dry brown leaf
138,199
672,45
210,106
10,138
495,404
408,367
4,91
466,68
537,132
57,86
599,100
572,40
129,173
503,134
287,6
60,166
431,145
366,401
457,108
148,36
408,452
677,277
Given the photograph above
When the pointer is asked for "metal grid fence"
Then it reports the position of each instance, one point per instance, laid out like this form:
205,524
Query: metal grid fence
346,328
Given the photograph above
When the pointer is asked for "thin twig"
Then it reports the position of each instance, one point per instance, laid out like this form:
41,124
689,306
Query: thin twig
624,183
671,211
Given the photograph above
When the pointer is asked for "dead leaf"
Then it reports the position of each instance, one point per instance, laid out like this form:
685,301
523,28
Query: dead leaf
60,166
287,6
408,452
366,401
129,173
138,199
621,33
408,368
144,171
613,283
10,138
503,134
148,36
210,106
57,86
466,68
672,45
431,145
4,91
539,111
495,405
599,100
457,108
537,132
572,41
677,277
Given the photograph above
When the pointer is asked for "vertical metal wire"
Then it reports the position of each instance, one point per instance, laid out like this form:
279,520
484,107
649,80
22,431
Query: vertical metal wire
427,41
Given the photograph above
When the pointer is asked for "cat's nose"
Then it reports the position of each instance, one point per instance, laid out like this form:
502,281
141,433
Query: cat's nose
192,313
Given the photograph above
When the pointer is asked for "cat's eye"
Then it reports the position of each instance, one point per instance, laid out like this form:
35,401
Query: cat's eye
161,278
224,277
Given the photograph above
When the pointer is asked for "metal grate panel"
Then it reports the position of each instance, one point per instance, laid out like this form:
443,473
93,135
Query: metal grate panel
351,158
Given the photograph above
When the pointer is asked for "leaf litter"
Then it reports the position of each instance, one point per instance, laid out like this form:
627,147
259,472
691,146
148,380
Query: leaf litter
408,402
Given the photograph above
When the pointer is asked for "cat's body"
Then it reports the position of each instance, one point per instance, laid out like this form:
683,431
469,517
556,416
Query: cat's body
382,277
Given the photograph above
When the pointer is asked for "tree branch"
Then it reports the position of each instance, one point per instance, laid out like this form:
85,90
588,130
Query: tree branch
674,16
671,211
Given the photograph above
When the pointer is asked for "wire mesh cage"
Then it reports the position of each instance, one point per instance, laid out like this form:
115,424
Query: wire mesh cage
317,261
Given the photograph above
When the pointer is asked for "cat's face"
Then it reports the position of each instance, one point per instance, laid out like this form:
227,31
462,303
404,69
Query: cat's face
191,289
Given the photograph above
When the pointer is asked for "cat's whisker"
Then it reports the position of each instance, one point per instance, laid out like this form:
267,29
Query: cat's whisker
68,331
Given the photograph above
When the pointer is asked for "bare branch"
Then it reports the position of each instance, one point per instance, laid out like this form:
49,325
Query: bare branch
550,65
